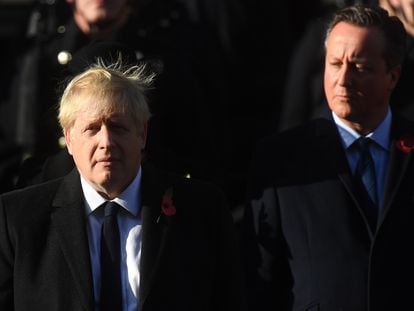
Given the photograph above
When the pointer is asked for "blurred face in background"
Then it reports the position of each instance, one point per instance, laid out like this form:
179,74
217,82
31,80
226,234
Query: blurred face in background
403,9
90,14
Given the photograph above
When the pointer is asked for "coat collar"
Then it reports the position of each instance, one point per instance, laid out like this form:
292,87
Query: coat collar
398,163
333,155
68,219
331,148
156,229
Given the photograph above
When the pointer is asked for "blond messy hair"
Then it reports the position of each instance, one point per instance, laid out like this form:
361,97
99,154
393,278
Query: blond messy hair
107,89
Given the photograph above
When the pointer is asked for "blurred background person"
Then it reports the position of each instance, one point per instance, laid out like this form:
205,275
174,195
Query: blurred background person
221,66
156,30
188,103
12,29
403,96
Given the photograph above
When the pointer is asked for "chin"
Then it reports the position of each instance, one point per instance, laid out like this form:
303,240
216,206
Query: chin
99,16
105,178
342,110
346,115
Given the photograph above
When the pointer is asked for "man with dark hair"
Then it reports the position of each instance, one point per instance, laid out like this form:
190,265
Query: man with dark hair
330,203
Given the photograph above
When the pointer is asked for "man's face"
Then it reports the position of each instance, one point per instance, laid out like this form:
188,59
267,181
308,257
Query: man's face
99,11
357,82
106,149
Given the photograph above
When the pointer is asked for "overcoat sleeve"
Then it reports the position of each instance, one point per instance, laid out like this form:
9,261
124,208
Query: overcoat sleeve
266,264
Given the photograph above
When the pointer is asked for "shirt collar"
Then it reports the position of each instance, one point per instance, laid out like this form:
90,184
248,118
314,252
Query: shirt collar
381,135
129,199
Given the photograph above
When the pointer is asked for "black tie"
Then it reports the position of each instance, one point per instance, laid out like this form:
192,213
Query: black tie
111,293
365,173
366,169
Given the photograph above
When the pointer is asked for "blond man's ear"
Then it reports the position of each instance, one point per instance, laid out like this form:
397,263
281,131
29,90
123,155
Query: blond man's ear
68,141
144,135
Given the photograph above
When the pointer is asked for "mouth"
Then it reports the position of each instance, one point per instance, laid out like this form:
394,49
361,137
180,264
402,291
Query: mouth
107,161
100,2
344,97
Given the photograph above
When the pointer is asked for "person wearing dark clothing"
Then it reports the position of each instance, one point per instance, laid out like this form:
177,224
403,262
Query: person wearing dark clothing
158,33
329,216
190,102
116,233
303,98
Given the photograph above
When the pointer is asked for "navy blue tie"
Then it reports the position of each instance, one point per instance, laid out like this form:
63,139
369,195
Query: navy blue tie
366,178
365,169
111,293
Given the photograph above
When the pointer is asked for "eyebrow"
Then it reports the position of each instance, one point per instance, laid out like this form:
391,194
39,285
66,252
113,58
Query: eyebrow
358,59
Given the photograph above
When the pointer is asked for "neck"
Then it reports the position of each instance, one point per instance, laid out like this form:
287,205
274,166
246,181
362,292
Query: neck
366,126
361,128
363,125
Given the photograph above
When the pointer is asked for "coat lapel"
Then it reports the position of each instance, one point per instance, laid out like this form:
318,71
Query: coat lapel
398,164
156,229
334,159
397,167
68,219
350,186
332,155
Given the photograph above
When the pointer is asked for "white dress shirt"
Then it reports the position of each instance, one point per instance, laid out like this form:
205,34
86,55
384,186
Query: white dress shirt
129,223
380,150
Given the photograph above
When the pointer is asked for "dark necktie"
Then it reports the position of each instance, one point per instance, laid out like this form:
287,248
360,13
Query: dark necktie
365,169
365,174
111,293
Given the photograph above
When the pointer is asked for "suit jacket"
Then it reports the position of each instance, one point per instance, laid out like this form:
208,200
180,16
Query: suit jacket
309,243
189,260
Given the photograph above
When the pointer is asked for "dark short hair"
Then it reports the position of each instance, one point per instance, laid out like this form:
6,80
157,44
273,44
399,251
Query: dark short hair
374,16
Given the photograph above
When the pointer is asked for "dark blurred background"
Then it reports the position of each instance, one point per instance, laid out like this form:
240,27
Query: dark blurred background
254,41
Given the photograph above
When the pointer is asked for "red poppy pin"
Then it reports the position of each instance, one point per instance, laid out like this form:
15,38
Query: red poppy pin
405,143
167,204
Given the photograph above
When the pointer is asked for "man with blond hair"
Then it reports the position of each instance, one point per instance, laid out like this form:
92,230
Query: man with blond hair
115,233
